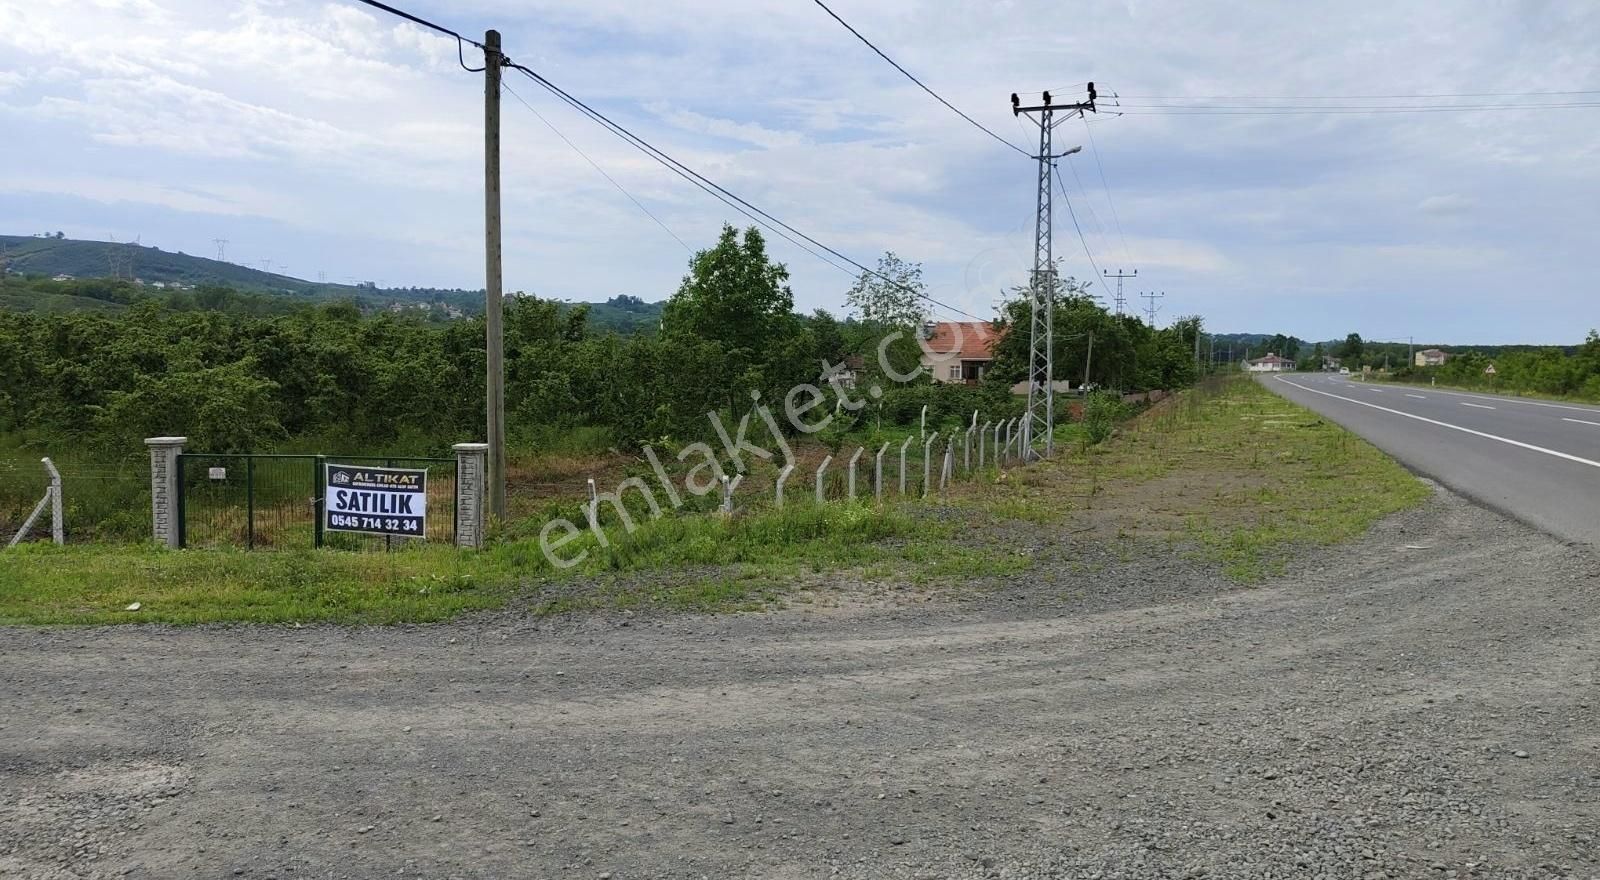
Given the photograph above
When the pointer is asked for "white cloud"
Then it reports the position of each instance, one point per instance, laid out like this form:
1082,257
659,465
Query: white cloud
323,115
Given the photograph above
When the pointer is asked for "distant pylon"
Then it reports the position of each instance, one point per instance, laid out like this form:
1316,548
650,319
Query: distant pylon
1120,301
1151,307
222,245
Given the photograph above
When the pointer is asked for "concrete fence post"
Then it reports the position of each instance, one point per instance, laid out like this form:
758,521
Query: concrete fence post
927,453
853,460
592,510
877,473
471,463
966,450
949,464
903,448
164,452
783,477
58,531
822,484
983,435
995,445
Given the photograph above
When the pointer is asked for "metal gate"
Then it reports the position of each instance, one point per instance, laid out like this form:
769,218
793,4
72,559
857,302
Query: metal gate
260,501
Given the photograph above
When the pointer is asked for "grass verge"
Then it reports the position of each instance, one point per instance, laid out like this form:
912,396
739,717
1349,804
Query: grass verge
1229,471
1229,468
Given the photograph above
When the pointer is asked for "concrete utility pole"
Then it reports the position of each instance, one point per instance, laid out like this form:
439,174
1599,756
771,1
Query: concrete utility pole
1088,359
1411,351
494,343
1120,301
1041,361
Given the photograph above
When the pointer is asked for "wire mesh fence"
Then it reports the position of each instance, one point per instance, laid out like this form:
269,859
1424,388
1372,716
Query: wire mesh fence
272,501
103,501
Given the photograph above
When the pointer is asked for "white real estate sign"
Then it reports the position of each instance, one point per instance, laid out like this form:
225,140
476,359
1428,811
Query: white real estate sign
374,500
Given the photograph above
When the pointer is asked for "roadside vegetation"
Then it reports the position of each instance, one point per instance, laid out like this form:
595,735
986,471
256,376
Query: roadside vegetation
1228,471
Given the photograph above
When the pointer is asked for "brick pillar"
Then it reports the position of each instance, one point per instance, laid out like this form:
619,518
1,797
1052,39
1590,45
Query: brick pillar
471,466
164,487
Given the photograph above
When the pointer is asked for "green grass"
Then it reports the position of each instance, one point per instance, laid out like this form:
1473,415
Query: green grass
41,583
1230,469
1236,474
768,551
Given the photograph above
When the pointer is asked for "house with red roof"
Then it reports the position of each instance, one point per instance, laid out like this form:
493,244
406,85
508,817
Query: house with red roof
958,351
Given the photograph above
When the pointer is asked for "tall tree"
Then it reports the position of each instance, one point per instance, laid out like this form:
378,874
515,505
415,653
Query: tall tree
890,297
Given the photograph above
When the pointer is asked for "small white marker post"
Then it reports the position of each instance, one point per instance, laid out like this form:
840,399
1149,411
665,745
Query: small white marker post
877,473
903,448
783,476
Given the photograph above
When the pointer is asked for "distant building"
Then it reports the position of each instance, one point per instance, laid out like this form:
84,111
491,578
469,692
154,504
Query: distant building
958,351
1330,364
1432,357
63,277
1270,364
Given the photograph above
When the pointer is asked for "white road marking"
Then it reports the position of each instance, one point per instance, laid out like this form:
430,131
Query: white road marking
1506,440
1476,405
1581,422
1417,396
1583,409
1379,390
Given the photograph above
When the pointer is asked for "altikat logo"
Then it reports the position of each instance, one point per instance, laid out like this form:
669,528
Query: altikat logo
341,477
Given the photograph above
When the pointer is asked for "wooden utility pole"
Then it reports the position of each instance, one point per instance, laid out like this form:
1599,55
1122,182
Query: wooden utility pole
494,344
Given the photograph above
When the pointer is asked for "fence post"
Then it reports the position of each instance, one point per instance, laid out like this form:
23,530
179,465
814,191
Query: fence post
593,511
471,461
822,486
58,531
853,460
877,473
728,486
927,450
783,476
903,447
164,499
983,436
319,474
923,431
966,450
949,464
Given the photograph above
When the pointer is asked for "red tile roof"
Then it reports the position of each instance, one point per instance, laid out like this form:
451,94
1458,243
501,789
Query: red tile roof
975,339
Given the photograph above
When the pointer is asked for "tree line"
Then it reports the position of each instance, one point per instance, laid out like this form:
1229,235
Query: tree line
330,377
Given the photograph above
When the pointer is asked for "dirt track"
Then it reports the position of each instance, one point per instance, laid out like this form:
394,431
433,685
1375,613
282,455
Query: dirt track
1385,711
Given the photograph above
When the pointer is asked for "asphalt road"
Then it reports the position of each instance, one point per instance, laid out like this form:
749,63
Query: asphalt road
1534,460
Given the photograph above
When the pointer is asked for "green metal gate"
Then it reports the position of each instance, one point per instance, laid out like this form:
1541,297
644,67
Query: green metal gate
265,501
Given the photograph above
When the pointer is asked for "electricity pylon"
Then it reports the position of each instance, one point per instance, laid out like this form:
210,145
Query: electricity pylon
1120,301
1040,419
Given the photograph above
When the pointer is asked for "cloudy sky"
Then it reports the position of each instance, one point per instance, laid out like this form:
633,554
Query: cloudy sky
328,137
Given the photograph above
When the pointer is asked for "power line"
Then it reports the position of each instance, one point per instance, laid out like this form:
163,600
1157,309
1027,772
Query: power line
711,187
1095,149
433,26
936,96
1074,215
1292,110
575,148
721,193
1356,97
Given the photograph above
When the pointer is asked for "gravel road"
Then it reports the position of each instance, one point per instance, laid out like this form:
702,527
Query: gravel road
1421,703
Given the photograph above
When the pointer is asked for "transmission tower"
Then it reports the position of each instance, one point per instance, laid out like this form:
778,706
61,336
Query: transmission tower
1151,307
1121,301
222,246
1042,283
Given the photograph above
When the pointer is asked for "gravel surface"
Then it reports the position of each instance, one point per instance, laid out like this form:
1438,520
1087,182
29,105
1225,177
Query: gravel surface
1421,703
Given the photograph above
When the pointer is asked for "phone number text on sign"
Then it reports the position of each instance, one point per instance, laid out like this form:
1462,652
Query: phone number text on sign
376,501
